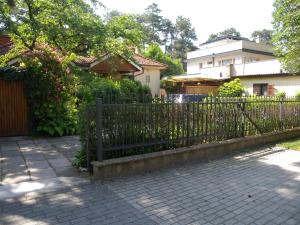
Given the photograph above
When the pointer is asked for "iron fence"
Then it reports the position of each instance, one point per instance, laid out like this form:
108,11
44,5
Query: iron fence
123,129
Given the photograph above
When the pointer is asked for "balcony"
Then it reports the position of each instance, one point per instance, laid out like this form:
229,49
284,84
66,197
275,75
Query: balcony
253,68
257,68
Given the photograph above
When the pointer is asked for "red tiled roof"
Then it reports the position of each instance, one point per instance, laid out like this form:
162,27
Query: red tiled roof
144,61
85,61
6,44
140,60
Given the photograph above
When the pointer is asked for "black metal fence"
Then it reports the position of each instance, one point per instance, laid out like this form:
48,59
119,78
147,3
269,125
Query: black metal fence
117,130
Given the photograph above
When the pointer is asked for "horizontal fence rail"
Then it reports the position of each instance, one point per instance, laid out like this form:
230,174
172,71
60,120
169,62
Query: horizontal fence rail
124,129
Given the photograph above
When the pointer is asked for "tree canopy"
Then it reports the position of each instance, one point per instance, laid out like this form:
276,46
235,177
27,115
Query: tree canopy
227,32
175,38
264,36
286,37
71,26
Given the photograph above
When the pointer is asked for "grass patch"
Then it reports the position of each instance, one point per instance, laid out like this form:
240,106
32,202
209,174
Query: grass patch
291,144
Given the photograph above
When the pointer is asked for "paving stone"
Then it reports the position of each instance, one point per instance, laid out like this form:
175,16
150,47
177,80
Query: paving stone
12,178
39,174
59,162
260,187
38,165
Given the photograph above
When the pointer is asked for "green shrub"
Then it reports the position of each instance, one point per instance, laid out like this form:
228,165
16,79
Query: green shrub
174,66
231,89
169,86
110,91
297,95
80,159
51,91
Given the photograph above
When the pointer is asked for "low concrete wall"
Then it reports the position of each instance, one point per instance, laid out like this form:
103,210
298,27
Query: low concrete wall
158,160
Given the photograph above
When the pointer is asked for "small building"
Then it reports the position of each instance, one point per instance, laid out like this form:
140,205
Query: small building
235,57
138,67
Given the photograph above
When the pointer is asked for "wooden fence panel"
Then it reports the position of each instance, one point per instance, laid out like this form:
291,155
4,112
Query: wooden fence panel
13,109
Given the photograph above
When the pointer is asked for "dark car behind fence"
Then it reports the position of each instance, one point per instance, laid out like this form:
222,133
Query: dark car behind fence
116,130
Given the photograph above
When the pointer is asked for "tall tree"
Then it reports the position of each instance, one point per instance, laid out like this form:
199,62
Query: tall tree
153,22
168,34
264,36
225,33
287,33
185,35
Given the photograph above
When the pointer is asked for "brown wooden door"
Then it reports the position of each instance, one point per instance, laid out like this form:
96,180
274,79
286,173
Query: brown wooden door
13,109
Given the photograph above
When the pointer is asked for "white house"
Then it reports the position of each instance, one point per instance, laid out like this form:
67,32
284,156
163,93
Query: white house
235,57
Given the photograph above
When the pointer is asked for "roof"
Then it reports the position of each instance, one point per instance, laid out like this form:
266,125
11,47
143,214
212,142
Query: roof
144,61
236,38
193,78
86,61
139,59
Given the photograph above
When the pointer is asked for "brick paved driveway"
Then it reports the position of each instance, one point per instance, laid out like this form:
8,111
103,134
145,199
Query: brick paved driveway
262,187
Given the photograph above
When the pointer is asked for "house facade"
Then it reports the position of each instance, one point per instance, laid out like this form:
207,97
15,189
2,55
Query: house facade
138,67
233,57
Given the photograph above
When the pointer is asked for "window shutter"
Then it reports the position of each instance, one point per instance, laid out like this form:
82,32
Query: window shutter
257,89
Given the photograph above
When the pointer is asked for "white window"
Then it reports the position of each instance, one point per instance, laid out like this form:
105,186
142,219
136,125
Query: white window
147,79
200,66
226,62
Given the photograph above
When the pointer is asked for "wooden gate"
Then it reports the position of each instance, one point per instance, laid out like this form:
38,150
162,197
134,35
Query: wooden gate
13,109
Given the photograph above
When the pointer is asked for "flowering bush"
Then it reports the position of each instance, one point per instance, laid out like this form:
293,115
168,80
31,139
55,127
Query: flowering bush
51,91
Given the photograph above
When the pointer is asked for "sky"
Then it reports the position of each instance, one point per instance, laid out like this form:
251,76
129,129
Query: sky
207,16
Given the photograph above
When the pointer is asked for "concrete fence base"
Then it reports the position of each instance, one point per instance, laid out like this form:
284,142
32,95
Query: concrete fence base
158,160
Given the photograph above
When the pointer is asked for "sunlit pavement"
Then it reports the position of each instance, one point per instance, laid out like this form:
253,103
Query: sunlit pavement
37,165
261,187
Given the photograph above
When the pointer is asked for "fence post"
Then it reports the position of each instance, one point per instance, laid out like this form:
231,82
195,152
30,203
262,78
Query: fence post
243,116
87,127
188,122
99,119
281,114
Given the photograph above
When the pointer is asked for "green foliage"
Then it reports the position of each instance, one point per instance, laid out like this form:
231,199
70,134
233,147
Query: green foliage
80,159
231,89
281,94
297,95
124,91
174,65
286,37
169,86
69,25
185,36
153,23
176,38
228,32
264,36
51,88
117,91
72,26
